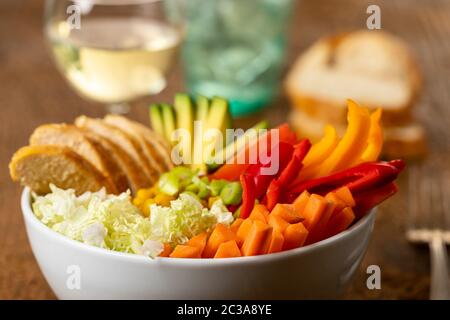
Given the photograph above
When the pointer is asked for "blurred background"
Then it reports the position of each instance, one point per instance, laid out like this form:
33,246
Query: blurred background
281,60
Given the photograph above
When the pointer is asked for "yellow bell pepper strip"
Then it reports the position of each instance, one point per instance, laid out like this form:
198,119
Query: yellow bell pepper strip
352,145
323,148
318,153
375,143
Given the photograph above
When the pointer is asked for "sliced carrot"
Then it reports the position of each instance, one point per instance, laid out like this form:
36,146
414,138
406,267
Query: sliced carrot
338,202
294,236
287,212
339,222
220,234
183,251
346,195
318,233
274,243
236,224
301,201
278,223
166,251
243,231
259,212
313,211
199,241
254,242
228,249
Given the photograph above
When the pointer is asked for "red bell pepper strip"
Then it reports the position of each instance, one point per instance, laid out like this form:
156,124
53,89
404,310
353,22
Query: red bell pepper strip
233,169
248,195
259,170
288,174
360,178
371,198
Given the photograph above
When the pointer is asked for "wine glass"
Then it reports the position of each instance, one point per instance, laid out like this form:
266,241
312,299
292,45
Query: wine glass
114,51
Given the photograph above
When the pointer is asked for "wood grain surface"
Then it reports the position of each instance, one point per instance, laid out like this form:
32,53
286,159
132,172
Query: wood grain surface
32,92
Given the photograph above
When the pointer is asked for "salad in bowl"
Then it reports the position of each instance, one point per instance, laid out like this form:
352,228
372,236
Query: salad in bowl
152,213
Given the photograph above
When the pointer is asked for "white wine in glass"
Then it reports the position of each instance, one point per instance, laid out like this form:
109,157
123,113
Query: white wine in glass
122,50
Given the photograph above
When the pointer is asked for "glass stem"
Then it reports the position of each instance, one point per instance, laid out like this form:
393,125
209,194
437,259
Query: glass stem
118,108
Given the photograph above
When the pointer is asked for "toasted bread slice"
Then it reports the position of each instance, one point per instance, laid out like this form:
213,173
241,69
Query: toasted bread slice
149,150
39,166
162,146
121,148
121,139
74,138
371,67
399,141
113,165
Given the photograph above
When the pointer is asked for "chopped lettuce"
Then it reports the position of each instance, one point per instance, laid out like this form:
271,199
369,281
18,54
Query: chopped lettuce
185,218
98,219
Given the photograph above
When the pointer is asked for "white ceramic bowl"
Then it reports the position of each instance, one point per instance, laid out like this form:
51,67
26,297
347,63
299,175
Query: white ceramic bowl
320,270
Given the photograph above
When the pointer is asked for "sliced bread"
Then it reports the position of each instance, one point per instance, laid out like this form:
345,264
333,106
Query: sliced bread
122,149
151,152
41,165
70,136
371,67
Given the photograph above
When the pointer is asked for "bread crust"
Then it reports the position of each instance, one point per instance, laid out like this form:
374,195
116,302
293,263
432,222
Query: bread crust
39,166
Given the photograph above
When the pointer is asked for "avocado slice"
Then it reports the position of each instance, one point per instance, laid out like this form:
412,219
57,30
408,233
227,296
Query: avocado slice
202,105
238,144
201,114
218,118
156,119
168,118
185,120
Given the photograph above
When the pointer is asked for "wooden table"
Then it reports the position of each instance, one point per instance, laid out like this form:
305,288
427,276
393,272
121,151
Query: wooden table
32,92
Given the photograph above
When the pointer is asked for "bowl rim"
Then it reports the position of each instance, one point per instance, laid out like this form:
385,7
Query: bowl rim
31,219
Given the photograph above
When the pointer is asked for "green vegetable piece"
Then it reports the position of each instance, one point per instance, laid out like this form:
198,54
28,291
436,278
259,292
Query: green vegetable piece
192,188
169,184
168,117
156,119
231,193
237,213
233,147
203,191
216,186
202,104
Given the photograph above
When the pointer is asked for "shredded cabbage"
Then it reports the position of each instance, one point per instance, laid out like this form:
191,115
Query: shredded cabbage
98,219
185,218
113,222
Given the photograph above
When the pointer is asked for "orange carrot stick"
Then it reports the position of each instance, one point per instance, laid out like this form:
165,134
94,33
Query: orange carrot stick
199,241
259,212
294,236
313,211
253,244
243,231
236,224
278,223
183,251
339,222
166,251
301,201
287,212
345,195
274,243
220,234
228,249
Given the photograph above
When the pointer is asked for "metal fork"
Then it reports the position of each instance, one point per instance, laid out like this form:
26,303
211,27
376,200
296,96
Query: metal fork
428,219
